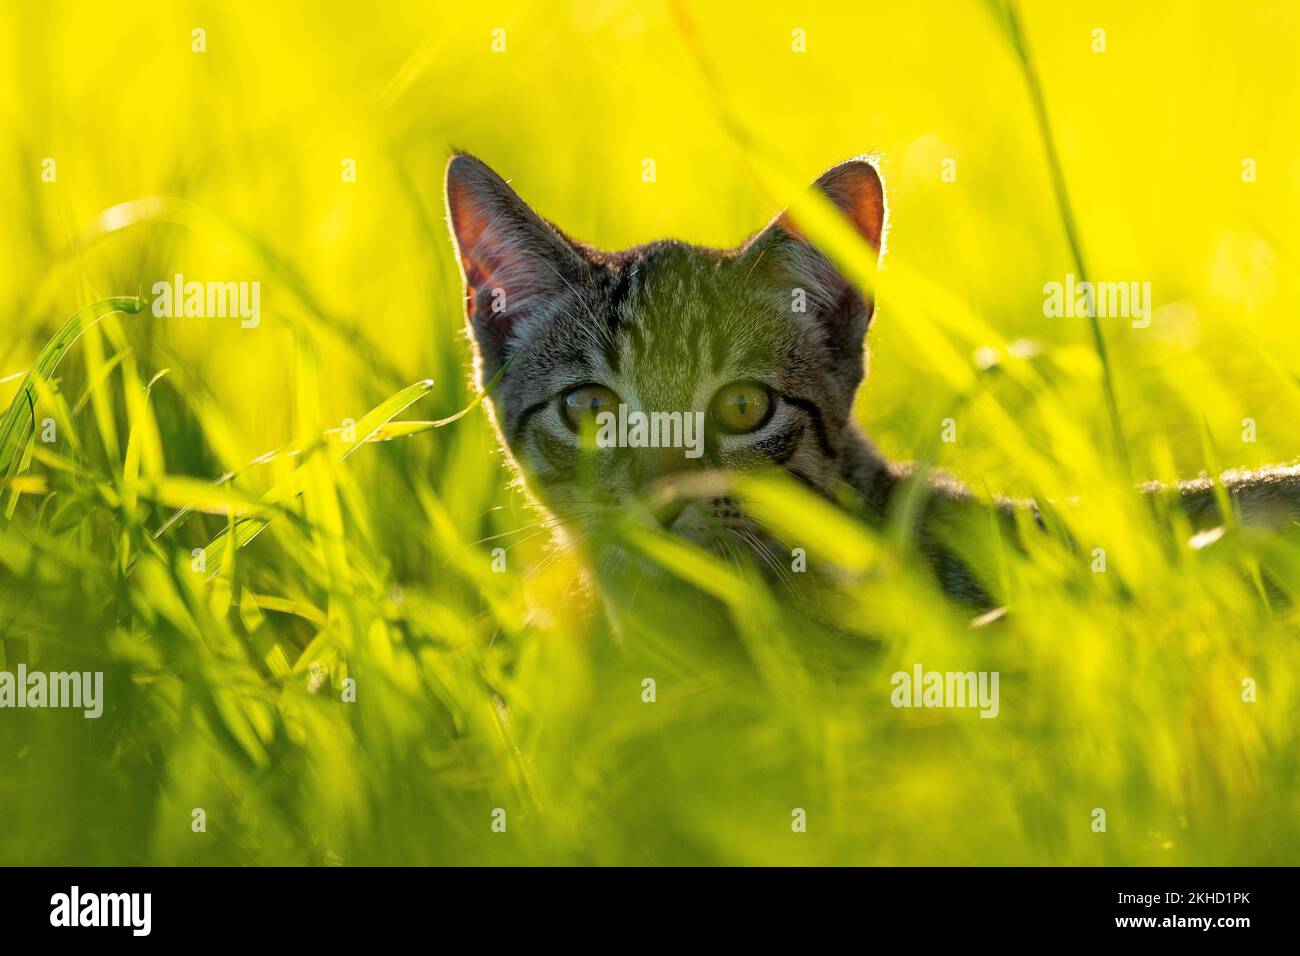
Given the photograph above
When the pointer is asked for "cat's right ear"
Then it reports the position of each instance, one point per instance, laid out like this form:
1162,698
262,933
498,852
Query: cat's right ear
515,264
795,264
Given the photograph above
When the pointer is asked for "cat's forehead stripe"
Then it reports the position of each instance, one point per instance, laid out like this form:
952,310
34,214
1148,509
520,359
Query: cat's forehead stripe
667,321
619,288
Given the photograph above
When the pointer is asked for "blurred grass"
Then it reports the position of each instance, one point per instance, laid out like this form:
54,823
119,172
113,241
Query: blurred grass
477,690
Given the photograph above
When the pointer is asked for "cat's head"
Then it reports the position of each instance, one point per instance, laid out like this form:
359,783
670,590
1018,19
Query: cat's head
762,345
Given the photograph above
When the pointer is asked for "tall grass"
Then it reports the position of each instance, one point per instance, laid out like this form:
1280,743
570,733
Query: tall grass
346,513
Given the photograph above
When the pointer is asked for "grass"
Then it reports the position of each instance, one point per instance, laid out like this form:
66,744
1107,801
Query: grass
347,511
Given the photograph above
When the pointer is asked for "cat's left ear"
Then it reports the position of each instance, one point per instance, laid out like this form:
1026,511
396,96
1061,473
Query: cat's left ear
804,273
517,266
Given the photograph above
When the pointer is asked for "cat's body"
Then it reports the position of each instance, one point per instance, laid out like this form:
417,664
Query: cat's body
1268,497
763,343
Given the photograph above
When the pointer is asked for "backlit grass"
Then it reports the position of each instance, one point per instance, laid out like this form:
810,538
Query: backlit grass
347,513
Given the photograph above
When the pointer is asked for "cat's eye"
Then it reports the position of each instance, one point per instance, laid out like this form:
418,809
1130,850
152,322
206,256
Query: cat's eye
741,407
584,403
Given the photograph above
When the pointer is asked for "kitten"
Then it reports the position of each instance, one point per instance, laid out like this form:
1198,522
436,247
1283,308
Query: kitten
586,337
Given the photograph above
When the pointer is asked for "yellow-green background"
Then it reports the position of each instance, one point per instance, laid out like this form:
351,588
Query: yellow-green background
479,690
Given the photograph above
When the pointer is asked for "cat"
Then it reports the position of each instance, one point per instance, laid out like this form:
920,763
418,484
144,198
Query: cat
573,333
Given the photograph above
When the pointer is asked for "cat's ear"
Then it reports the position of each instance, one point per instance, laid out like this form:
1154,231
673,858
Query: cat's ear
516,265
805,275
855,189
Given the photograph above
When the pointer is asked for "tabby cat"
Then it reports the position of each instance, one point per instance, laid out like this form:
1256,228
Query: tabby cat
765,342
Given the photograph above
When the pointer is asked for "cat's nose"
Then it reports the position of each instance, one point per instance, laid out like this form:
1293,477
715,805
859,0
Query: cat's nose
654,464
658,471
668,512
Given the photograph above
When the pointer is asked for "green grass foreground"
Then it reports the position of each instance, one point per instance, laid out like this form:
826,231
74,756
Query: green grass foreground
241,526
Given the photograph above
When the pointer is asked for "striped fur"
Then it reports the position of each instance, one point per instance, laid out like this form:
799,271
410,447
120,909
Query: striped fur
664,326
